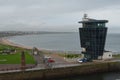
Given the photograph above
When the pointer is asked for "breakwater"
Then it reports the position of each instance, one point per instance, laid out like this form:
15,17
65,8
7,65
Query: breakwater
45,74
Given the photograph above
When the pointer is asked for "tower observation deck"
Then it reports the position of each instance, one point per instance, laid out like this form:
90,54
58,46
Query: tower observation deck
92,37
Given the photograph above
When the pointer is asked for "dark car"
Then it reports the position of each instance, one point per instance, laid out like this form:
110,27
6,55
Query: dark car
83,60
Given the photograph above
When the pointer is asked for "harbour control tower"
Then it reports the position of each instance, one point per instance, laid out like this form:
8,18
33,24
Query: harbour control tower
92,37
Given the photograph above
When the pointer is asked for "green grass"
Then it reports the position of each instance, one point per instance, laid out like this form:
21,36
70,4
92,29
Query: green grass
2,47
10,59
29,59
116,56
15,58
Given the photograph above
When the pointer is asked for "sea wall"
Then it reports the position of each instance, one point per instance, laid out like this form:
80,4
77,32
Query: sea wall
45,74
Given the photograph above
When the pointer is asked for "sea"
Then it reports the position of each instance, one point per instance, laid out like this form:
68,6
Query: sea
99,76
70,42
63,41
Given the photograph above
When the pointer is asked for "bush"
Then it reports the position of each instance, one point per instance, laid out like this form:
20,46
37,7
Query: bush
72,55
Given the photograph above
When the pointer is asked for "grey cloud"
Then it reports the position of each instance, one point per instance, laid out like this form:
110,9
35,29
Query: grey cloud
43,14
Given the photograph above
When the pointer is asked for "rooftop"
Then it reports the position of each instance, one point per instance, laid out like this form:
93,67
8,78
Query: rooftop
90,20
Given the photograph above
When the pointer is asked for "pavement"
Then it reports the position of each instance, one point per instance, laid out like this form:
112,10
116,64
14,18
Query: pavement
59,62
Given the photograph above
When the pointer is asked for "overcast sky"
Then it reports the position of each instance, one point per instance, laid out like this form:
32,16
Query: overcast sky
56,15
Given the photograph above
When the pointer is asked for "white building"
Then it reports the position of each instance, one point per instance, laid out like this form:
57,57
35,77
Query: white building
107,55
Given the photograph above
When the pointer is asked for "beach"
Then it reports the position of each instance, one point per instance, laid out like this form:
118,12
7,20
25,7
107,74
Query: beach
8,42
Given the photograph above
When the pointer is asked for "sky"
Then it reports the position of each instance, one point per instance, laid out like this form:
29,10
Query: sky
56,15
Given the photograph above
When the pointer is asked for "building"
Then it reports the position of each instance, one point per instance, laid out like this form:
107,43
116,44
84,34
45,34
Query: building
92,37
35,51
107,55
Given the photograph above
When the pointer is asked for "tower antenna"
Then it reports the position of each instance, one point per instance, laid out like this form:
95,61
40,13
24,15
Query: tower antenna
85,16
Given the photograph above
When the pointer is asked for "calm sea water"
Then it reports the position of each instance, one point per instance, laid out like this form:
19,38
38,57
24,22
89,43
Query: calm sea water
63,41
69,42
105,76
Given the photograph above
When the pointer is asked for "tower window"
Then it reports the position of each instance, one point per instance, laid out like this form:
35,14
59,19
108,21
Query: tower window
101,25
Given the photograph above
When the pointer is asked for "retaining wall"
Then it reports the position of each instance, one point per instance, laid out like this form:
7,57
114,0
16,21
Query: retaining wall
62,72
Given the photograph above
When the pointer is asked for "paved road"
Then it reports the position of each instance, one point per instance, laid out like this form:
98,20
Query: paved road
59,62
39,61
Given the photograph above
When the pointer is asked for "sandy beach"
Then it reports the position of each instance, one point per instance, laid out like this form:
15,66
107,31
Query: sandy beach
7,42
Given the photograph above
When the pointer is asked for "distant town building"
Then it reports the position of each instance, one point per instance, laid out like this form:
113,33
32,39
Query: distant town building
92,37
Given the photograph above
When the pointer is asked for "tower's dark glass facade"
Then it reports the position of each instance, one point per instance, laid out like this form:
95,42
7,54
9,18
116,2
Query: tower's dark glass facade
92,37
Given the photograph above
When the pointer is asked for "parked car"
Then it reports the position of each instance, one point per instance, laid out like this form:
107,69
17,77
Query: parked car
83,60
48,59
51,60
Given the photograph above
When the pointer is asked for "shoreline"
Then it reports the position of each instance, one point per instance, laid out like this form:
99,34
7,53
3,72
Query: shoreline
5,41
8,42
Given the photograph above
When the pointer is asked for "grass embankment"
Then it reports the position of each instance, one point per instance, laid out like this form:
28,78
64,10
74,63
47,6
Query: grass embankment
14,58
